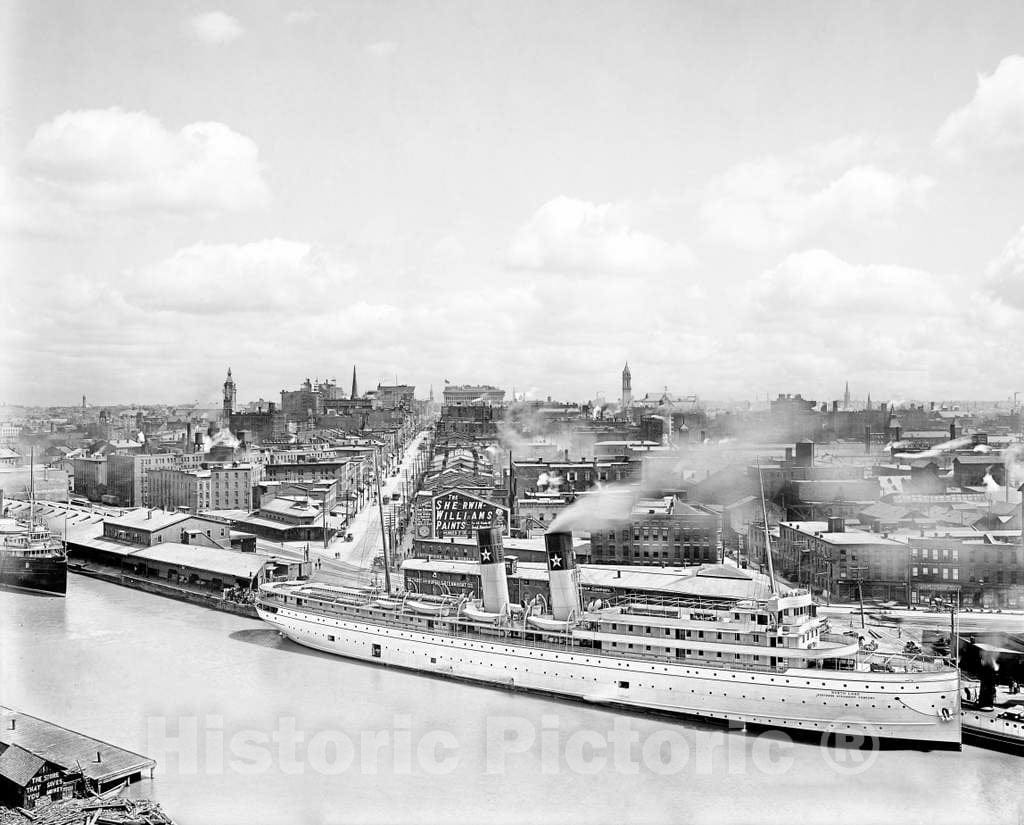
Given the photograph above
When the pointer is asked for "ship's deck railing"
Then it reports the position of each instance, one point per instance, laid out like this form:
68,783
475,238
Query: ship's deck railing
456,627
672,603
898,662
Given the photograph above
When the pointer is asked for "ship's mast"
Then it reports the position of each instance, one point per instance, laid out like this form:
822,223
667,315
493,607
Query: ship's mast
32,489
767,534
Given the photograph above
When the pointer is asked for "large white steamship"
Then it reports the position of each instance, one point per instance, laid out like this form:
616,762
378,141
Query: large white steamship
760,661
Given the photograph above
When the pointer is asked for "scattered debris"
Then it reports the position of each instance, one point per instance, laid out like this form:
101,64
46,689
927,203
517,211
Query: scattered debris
89,812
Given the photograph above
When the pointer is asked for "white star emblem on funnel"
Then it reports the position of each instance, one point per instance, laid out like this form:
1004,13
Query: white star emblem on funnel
485,555
556,561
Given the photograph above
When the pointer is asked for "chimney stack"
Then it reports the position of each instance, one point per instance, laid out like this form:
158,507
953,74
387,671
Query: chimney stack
952,430
493,579
563,576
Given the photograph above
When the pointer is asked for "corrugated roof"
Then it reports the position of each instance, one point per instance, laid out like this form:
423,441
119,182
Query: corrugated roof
69,749
210,559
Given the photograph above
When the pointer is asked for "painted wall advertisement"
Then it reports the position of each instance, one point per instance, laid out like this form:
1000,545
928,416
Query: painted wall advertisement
458,514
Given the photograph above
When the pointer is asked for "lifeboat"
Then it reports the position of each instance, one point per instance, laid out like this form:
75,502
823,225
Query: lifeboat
427,608
476,613
387,604
550,623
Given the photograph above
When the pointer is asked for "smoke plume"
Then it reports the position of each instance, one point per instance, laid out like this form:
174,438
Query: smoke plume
597,509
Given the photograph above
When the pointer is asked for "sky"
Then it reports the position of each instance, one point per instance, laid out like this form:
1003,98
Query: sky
740,199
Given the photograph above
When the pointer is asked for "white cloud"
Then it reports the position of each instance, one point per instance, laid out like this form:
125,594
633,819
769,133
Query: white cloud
112,160
816,315
215,28
267,277
578,236
993,119
1004,276
26,209
382,49
448,249
301,17
779,201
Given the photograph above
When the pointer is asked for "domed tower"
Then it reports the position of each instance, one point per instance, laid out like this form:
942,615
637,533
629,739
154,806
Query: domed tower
229,398
627,388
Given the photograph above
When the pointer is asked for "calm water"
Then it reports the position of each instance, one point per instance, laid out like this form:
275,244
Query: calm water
247,727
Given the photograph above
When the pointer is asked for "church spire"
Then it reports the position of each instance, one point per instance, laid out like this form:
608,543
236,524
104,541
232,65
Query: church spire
355,388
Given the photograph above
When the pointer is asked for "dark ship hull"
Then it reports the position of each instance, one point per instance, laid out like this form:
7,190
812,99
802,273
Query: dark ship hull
47,574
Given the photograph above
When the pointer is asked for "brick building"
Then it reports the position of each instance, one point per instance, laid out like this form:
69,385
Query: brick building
128,476
986,568
826,556
213,487
659,534
91,477
468,394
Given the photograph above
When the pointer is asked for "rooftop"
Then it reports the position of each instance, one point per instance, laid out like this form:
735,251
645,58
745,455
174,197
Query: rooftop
71,750
210,559
148,519
709,580
820,530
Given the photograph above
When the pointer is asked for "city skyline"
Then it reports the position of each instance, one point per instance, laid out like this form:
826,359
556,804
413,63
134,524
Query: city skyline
737,200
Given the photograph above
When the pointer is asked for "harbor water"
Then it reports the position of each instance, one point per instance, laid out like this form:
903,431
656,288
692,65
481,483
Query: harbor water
248,727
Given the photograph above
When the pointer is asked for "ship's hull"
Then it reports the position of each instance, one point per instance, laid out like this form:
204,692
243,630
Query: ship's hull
919,707
36,573
986,729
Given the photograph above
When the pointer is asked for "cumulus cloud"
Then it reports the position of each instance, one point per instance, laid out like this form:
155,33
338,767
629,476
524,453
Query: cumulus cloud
817,283
382,49
265,276
993,119
113,160
300,17
1004,276
815,314
26,209
778,201
215,28
572,235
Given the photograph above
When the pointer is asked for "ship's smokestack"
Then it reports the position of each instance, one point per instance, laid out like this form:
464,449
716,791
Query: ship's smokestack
563,575
493,582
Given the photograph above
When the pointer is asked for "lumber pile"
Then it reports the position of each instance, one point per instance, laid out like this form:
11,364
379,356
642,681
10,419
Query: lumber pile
88,812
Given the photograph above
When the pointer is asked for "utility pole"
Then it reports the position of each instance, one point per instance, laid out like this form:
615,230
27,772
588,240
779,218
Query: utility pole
383,531
860,590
